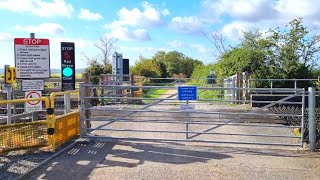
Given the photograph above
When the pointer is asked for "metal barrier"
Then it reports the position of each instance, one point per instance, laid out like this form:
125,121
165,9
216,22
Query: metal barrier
66,94
54,131
214,119
25,135
67,127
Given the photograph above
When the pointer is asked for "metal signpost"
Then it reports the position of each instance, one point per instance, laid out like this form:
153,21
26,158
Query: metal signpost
187,93
68,76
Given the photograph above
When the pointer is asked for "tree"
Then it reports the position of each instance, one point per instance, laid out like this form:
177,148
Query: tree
290,52
174,63
146,67
218,41
94,69
106,44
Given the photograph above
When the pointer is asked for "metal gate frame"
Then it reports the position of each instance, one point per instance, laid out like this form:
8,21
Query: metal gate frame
86,109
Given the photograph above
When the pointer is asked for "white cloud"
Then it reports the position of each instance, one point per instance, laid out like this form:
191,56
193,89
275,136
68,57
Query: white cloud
175,44
200,48
165,12
261,10
289,9
5,37
235,29
85,14
148,17
39,7
138,49
187,25
123,33
44,28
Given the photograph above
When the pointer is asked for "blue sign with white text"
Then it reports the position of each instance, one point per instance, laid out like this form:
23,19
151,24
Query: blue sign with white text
187,93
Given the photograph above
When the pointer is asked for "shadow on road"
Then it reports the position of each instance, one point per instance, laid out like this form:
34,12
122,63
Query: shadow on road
80,161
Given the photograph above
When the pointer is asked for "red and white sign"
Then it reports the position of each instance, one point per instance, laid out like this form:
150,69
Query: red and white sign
33,105
32,57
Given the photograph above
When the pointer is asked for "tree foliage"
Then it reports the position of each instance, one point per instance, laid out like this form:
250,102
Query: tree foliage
290,52
146,67
95,68
165,64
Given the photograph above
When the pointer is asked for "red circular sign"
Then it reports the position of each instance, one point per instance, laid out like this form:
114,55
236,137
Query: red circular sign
33,94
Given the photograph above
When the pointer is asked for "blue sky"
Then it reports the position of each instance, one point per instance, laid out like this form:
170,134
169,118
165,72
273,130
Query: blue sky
144,27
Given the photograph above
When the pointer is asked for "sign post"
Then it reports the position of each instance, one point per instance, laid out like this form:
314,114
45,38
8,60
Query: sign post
68,76
187,93
32,58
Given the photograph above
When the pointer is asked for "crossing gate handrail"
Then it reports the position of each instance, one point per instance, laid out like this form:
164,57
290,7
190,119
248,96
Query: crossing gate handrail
54,94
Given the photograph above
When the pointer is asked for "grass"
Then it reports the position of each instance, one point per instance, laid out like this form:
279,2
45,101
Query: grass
154,93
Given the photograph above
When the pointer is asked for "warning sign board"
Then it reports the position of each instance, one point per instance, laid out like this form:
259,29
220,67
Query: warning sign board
32,58
33,105
32,85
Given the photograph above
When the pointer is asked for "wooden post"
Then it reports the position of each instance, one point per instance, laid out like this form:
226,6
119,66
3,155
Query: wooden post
241,85
87,101
237,86
132,84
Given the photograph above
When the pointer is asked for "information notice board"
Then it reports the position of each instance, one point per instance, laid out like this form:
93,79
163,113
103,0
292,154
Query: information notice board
32,58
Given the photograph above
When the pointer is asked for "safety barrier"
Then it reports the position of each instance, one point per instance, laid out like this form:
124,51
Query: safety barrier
25,135
53,132
67,126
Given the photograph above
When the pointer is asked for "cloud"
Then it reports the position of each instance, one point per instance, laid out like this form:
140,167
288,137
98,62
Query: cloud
138,49
200,48
165,12
39,7
5,37
85,14
187,25
260,10
289,9
235,29
148,17
44,28
125,34
175,44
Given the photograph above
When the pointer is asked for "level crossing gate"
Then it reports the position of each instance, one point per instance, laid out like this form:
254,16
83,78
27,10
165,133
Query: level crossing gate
161,114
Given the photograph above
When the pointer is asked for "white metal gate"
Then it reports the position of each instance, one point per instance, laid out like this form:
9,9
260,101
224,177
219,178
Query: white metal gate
158,116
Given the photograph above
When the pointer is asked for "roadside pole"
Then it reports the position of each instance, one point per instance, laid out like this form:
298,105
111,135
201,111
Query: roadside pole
311,118
9,97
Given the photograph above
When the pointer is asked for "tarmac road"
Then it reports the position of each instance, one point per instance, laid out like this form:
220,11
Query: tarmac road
142,160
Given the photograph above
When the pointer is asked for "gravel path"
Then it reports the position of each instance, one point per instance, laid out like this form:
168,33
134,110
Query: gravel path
15,163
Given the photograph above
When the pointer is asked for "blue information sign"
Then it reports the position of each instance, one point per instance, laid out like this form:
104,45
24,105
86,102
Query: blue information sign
187,93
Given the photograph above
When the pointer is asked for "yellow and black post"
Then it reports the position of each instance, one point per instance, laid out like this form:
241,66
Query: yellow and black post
10,75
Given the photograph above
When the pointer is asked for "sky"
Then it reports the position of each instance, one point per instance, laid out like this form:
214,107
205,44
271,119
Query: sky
144,27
